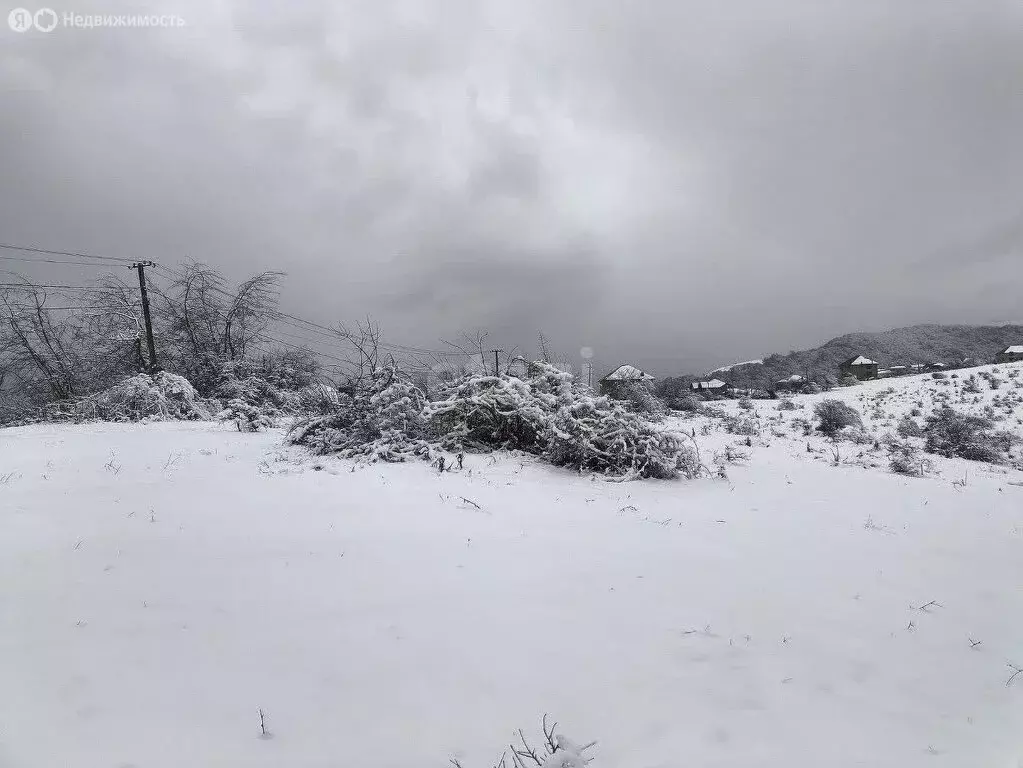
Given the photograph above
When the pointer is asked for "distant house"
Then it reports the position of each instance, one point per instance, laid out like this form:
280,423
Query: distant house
863,368
617,383
898,370
793,383
917,368
1012,354
711,387
936,366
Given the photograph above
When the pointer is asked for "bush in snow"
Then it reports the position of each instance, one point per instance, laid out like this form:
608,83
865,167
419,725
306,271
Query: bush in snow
745,404
953,434
642,400
240,381
159,396
909,427
906,459
248,418
687,403
484,412
319,398
550,416
833,415
601,437
738,425
856,435
383,419
787,405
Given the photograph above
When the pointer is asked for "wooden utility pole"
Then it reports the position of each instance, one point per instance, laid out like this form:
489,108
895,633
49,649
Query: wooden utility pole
497,365
140,267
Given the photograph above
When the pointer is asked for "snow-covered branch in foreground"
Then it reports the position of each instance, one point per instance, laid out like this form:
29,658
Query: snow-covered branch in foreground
557,752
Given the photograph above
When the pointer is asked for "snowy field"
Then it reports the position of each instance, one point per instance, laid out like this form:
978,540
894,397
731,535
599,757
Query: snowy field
161,584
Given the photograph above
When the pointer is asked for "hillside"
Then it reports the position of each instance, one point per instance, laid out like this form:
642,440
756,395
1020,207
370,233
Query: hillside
947,344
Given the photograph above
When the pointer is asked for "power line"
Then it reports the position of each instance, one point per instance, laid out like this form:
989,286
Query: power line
33,249
36,260
33,286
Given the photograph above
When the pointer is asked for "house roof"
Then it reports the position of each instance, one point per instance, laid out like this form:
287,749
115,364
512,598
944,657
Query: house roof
627,373
710,384
1016,349
793,379
859,360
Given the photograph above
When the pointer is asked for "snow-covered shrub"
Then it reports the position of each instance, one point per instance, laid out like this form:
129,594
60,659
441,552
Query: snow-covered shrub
953,434
786,404
551,416
742,425
745,404
856,435
834,415
804,424
256,391
641,399
319,398
248,418
906,459
599,436
485,412
687,403
160,396
382,420
909,427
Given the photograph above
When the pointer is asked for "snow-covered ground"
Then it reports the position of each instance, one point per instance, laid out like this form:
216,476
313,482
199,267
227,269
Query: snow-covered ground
161,584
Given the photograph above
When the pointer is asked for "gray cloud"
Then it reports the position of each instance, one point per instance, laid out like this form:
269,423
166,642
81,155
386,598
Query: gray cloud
679,184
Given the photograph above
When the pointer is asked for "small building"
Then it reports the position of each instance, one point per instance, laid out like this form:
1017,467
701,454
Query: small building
863,368
793,383
898,370
1013,354
711,387
918,368
617,383
936,367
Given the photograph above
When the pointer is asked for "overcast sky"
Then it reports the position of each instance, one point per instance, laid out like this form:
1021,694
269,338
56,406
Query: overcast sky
678,184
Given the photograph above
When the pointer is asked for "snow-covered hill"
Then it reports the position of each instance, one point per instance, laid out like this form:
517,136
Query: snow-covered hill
161,584
992,391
